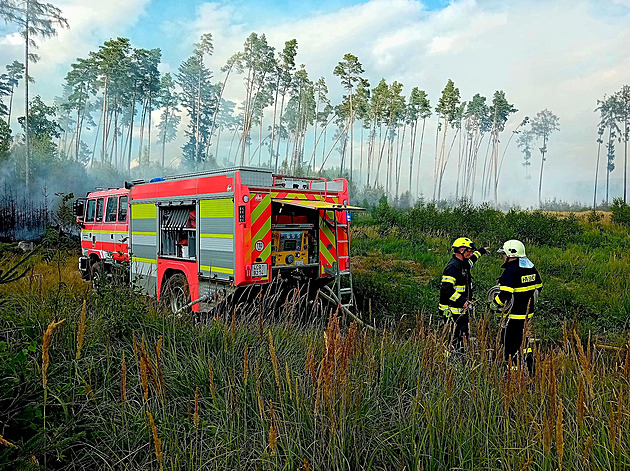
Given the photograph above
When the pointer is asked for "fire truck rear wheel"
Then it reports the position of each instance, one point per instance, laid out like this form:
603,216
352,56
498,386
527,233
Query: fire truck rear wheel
97,273
177,294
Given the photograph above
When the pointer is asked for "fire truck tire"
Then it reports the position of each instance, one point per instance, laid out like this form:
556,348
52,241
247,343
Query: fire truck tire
97,274
176,294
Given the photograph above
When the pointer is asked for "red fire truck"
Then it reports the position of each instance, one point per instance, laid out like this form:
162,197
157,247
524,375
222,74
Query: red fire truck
190,238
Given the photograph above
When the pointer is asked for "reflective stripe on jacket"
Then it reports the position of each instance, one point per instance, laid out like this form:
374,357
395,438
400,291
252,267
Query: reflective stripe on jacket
521,283
456,286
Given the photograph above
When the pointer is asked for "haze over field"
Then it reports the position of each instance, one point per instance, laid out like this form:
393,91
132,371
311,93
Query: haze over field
561,55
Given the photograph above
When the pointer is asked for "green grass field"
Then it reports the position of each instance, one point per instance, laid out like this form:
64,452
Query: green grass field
121,385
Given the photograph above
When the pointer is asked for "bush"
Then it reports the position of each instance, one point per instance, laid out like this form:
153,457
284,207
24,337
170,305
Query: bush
620,212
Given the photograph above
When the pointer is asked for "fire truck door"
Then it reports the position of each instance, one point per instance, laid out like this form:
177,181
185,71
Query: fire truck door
97,230
143,245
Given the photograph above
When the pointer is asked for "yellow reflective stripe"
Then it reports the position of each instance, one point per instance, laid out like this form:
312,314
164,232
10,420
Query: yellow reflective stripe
528,288
216,236
143,233
477,253
455,296
144,211
448,279
442,307
498,300
520,316
228,271
527,350
456,310
507,288
144,260
460,288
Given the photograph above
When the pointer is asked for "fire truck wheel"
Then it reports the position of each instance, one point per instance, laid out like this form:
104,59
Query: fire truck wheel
97,273
176,294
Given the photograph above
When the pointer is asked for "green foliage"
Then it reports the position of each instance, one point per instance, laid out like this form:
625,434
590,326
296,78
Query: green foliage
5,141
620,212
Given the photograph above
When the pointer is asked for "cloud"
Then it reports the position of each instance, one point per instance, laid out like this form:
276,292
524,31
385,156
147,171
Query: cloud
91,23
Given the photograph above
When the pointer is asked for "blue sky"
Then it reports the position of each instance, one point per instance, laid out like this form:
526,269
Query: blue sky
557,54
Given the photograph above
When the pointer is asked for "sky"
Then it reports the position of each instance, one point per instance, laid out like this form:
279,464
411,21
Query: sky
562,55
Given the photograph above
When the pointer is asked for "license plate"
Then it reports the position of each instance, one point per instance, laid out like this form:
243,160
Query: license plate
259,270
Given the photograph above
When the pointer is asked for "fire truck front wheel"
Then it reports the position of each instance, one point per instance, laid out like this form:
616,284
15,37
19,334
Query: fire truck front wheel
176,294
97,273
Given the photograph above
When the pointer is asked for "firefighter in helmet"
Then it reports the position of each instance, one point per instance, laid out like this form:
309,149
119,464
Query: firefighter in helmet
456,288
518,290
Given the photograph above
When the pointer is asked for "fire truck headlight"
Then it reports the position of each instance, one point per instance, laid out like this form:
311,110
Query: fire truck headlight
245,198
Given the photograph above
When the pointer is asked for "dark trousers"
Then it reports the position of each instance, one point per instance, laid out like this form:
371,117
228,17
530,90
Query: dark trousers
512,338
459,324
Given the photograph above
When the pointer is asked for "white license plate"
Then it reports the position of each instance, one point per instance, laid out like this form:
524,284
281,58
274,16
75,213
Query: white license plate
259,270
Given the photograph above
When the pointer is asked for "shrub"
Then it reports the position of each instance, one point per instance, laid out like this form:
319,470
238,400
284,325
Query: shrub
620,212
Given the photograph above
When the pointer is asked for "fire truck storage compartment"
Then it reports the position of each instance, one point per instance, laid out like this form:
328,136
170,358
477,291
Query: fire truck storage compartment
294,236
178,231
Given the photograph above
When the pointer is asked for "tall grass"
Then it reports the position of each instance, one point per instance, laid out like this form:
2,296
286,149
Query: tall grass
584,262
298,387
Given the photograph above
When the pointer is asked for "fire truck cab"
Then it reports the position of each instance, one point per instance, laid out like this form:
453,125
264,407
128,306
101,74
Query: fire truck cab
195,237
103,216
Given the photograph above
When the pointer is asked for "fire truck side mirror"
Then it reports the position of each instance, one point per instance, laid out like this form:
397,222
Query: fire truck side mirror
78,207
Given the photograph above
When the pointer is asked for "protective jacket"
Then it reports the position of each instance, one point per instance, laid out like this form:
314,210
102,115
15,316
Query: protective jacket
520,282
456,287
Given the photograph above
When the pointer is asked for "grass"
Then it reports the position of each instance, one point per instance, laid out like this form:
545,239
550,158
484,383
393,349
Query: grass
398,258
290,387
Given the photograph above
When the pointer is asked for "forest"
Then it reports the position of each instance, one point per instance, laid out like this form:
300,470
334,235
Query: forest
117,112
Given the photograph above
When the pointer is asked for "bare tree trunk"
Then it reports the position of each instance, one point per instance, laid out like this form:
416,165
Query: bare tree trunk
279,130
10,106
26,111
351,133
599,146
149,131
273,126
542,163
142,120
414,132
424,122
104,121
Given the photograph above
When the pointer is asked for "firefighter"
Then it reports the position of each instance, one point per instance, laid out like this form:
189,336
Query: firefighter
456,289
519,286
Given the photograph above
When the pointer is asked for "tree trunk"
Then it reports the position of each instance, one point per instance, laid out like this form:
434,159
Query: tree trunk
351,133
599,146
133,113
414,132
280,128
625,154
143,118
424,122
273,126
167,112
149,130
26,130
10,106
104,121
542,163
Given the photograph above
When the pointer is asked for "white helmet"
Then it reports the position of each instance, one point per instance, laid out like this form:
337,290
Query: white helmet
513,249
